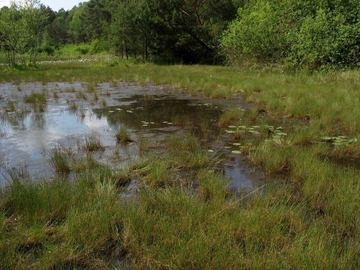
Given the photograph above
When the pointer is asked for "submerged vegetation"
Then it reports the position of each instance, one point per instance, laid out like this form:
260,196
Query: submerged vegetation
300,129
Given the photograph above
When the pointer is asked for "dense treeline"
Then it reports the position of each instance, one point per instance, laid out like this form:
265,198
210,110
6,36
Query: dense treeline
297,33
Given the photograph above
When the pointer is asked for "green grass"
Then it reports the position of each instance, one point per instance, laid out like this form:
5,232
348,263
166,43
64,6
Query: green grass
59,160
38,100
122,135
92,143
305,217
35,98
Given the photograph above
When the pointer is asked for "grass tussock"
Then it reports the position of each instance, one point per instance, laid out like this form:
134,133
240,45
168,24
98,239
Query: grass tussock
59,159
123,135
92,143
35,98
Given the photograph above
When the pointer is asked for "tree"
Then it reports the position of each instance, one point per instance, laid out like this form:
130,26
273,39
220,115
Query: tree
77,27
130,31
13,34
58,29
36,19
188,30
21,28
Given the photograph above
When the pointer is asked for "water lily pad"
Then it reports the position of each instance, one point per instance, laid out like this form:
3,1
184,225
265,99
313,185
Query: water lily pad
237,152
255,132
230,131
237,144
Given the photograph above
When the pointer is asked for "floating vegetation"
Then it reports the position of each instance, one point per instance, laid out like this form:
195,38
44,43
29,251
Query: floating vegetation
338,140
277,135
240,131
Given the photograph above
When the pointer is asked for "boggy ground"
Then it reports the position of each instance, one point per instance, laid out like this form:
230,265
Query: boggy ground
184,217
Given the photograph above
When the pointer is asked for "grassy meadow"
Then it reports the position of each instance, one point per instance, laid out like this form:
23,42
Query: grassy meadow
306,215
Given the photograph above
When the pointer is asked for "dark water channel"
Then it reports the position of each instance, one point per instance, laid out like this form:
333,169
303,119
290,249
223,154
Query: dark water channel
27,137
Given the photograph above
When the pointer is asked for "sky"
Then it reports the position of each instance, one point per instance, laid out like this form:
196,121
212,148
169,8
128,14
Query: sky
53,4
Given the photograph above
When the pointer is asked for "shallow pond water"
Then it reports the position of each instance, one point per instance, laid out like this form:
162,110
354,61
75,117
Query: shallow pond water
149,113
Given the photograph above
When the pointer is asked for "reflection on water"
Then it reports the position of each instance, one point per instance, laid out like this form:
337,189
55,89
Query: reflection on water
27,137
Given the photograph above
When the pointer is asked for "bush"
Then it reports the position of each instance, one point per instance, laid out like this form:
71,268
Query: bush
98,46
255,35
326,40
306,34
83,49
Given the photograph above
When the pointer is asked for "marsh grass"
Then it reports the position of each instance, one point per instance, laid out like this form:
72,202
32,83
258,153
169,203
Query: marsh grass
230,116
72,106
38,100
91,87
10,106
92,143
306,216
81,95
59,159
35,98
123,135
51,221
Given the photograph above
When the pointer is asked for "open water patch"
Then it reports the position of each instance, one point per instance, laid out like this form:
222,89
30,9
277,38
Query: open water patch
148,112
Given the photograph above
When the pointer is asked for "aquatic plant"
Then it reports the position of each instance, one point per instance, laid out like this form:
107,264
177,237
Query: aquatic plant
92,143
81,95
35,98
122,135
59,160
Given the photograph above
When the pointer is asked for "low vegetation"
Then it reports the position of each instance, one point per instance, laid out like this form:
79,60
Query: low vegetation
122,135
301,130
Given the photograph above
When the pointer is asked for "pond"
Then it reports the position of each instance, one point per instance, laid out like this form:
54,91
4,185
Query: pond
75,112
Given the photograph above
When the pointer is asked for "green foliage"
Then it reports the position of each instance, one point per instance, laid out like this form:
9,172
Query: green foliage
255,35
21,29
303,34
326,39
